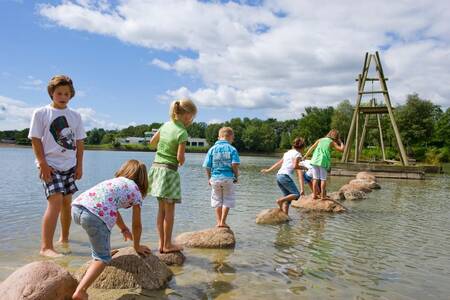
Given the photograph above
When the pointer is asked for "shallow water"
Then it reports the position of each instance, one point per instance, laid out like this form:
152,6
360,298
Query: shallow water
394,245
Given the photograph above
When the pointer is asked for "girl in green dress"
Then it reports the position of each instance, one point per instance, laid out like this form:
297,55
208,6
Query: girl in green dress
163,177
321,160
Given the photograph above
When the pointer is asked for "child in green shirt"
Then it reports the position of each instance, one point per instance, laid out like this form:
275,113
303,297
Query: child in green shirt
163,177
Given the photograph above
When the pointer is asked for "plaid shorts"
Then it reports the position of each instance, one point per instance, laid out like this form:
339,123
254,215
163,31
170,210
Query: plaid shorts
62,182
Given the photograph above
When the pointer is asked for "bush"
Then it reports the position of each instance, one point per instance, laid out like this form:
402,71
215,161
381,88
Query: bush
436,156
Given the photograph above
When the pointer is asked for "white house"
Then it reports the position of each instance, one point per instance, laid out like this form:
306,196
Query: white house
197,142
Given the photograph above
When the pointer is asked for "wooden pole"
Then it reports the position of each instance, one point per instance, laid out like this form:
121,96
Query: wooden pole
387,100
381,137
361,83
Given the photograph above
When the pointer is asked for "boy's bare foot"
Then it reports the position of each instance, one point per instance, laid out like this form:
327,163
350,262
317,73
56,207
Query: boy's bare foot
172,248
50,253
80,295
280,204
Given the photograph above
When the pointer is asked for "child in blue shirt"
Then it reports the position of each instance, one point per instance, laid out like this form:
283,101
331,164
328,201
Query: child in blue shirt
222,167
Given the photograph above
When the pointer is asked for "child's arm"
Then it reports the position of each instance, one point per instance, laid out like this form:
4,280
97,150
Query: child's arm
154,141
235,172
137,230
208,173
296,162
301,181
79,167
311,149
274,166
45,171
180,153
123,228
339,147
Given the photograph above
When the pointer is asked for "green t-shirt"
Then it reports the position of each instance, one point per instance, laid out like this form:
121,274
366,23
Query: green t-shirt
322,154
171,134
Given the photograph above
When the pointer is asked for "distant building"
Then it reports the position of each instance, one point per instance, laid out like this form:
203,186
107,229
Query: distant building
192,142
149,134
132,140
197,142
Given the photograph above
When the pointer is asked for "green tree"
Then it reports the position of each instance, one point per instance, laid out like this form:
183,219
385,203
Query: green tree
285,142
314,124
442,130
259,138
416,120
342,118
95,136
197,130
211,133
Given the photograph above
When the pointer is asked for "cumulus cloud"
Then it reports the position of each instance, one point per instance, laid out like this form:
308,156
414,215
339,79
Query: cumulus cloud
16,115
282,55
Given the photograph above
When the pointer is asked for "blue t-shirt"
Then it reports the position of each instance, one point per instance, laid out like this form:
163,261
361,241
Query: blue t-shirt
220,158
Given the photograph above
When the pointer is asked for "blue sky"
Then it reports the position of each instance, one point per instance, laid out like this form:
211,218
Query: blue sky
129,59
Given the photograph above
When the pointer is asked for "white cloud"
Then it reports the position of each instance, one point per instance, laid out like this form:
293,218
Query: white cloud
249,57
16,114
32,83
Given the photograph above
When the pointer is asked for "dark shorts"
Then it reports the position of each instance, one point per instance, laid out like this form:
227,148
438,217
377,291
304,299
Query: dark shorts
287,185
62,182
306,178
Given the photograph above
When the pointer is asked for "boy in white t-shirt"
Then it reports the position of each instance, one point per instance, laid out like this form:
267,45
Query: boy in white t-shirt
307,172
57,134
287,165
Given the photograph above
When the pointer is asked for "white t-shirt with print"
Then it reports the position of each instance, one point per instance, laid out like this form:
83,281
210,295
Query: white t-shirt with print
288,162
59,130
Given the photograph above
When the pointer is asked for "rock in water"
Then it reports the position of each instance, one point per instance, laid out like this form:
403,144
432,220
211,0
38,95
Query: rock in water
337,196
366,176
354,195
130,270
173,258
307,203
39,280
272,216
354,187
365,184
218,237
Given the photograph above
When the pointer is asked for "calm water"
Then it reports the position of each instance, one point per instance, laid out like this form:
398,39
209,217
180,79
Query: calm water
394,245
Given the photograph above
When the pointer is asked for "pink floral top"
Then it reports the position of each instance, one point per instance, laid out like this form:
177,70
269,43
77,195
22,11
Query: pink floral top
104,199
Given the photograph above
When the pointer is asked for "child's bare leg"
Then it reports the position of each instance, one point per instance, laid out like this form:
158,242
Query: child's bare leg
223,219
285,208
95,269
315,188
168,227
54,203
65,218
311,186
284,199
218,216
323,192
160,224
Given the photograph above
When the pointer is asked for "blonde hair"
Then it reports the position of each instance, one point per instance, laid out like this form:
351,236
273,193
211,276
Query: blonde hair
225,131
60,80
182,106
333,134
136,171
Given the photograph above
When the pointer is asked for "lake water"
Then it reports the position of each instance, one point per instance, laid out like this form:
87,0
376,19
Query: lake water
394,245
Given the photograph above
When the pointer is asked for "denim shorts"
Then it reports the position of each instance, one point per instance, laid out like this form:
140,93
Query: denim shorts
98,232
306,178
287,185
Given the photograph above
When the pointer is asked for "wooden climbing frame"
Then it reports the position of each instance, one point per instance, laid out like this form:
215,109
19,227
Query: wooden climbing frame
370,110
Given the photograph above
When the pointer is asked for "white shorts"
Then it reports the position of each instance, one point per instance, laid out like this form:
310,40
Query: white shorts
319,173
222,193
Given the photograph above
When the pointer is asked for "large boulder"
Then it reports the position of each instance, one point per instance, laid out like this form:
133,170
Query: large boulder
354,187
272,216
131,270
354,195
366,176
218,237
307,203
336,196
39,280
365,184
173,258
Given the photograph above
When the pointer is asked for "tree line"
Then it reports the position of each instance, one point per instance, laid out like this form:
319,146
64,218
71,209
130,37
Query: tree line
424,127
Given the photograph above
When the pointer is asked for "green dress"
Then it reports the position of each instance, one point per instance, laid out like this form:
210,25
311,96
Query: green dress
322,154
164,182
